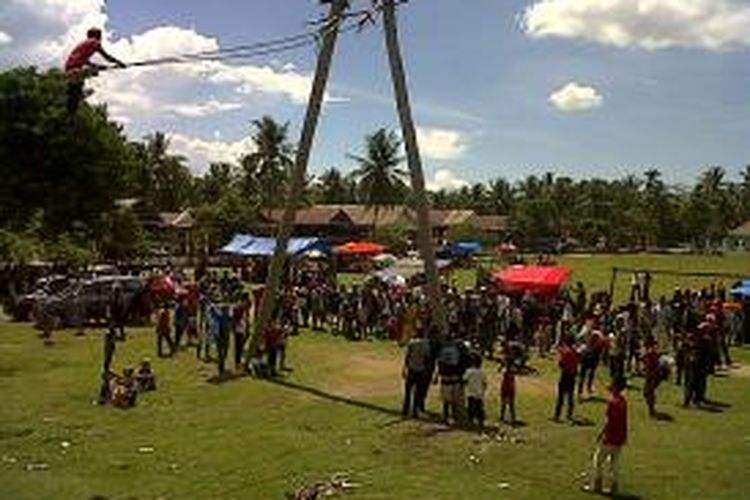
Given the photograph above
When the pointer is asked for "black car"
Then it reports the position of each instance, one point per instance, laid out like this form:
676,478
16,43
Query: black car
43,288
89,300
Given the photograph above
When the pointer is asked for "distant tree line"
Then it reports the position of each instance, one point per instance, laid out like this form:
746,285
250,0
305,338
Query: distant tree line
60,178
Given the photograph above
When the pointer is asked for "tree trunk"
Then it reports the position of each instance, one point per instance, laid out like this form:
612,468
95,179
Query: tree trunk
299,171
424,228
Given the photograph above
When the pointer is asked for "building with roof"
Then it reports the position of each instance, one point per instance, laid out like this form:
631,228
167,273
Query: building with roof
170,233
345,222
739,237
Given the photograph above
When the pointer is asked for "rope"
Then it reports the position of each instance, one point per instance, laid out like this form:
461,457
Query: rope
248,51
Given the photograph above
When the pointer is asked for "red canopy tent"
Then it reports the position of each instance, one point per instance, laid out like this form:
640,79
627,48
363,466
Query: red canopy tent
360,248
540,280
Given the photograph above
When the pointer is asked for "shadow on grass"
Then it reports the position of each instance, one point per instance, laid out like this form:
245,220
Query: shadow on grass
581,422
594,399
226,377
663,417
335,398
437,423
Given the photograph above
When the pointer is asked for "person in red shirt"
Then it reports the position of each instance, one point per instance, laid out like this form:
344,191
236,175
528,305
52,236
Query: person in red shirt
611,439
652,369
568,363
78,66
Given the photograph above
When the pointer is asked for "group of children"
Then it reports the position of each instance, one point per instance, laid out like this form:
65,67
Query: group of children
476,387
122,390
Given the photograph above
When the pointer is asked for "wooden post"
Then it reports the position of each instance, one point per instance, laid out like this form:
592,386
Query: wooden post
424,228
299,170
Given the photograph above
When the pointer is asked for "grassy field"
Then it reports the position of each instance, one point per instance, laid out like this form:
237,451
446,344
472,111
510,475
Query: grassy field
595,271
337,412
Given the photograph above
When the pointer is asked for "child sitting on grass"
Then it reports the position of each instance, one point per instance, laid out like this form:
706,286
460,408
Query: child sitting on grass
146,380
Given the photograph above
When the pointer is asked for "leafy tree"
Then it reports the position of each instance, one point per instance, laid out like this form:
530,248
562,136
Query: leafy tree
266,170
123,237
334,188
69,168
167,182
379,178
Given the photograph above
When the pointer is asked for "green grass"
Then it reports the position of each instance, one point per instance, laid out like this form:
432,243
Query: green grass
595,271
254,439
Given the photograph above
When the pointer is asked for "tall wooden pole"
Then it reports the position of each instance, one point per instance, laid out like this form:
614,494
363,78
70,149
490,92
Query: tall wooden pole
299,170
408,130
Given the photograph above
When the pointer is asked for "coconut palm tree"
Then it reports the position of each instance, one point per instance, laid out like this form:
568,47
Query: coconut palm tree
298,174
335,188
165,179
409,132
267,169
380,181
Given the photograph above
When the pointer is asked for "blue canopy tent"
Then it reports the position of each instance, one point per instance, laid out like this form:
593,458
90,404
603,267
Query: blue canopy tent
254,246
464,248
238,242
743,290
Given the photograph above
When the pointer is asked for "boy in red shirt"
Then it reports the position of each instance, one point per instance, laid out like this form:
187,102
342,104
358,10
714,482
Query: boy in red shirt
568,363
652,372
78,66
611,439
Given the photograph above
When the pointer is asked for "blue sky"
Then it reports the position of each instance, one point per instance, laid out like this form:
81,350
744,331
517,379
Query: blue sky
666,85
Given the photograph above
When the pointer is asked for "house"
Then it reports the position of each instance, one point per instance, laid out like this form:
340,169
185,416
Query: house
346,222
170,233
494,227
739,237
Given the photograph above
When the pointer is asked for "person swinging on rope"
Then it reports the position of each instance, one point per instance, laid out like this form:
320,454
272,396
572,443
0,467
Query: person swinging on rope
78,67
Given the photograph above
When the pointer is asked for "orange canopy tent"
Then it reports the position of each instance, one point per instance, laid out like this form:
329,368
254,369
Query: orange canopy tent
360,248
542,280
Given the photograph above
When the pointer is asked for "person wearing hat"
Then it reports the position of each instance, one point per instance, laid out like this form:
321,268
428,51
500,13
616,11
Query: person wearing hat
611,439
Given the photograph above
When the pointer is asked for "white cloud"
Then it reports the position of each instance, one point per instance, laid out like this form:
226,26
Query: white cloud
575,97
202,152
5,38
648,24
446,179
43,30
210,107
441,144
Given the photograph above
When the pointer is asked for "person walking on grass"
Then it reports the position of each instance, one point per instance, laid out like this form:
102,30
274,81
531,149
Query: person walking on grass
476,386
163,331
610,440
240,325
652,374
566,386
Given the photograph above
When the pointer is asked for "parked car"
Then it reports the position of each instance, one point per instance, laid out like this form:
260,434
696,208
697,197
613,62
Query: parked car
89,299
43,288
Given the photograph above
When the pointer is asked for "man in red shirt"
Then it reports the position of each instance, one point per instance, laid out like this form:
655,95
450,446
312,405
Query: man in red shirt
568,363
652,372
611,439
78,66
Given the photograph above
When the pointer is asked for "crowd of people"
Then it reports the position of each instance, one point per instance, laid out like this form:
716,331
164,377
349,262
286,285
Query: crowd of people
688,334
